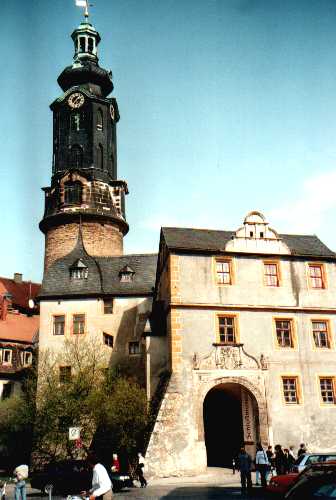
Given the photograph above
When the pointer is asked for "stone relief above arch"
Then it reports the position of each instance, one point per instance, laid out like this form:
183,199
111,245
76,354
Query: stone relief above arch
227,357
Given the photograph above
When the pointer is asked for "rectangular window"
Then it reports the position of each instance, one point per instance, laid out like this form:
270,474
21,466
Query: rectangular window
134,348
78,324
224,272
108,306
64,374
7,390
59,325
271,273
290,390
7,357
226,331
108,339
327,390
26,358
316,276
284,332
321,334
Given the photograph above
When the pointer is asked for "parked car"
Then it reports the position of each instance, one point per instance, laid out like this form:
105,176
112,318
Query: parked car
72,476
318,482
310,458
279,485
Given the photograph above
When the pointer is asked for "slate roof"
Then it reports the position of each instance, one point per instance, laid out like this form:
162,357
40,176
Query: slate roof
103,275
207,240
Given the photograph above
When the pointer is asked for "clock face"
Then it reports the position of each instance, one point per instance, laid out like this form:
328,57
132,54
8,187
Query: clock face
76,100
112,111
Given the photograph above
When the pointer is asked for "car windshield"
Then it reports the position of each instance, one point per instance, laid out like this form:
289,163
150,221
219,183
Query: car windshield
326,491
299,459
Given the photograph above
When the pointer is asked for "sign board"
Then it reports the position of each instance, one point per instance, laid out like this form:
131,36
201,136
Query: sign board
248,417
74,433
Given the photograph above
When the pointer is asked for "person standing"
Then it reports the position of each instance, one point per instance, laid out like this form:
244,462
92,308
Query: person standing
262,464
140,471
20,475
302,450
270,456
101,482
245,463
279,460
115,463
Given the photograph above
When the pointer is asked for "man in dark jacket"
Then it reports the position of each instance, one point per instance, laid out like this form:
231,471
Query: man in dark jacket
245,463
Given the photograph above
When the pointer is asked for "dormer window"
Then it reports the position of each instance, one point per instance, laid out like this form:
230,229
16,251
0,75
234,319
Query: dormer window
126,274
78,271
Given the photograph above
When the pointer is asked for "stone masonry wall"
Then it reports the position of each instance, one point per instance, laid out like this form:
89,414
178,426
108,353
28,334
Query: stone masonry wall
100,240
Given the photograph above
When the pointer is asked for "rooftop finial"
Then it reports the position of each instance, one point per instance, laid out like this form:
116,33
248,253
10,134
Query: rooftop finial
85,4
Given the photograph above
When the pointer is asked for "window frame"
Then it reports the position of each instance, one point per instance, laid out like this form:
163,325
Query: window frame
73,324
333,382
275,263
323,276
229,261
234,317
105,307
24,355
328,332
293,335
10,362
129,348
53,325
108,336
298,390
67,379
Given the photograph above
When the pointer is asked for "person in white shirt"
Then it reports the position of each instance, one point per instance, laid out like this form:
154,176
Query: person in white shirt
262,464
101,482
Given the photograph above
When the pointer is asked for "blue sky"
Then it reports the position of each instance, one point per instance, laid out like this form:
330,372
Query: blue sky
226,106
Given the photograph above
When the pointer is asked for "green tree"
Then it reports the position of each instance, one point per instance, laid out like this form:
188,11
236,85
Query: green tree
110,409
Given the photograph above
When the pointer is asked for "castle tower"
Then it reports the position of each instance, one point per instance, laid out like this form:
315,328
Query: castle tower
84,187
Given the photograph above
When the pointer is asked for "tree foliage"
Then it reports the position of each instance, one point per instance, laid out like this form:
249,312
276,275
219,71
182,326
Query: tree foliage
110,409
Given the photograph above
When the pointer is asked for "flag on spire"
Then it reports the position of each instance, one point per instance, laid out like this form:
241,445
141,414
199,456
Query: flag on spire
85,4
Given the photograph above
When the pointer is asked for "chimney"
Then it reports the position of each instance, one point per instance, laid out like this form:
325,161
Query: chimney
4,307
17,278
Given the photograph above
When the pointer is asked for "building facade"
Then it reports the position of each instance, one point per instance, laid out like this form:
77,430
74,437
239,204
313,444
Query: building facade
19,326
233,331
250,318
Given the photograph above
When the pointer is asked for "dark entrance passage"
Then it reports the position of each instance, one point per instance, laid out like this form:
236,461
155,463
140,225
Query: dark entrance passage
223,425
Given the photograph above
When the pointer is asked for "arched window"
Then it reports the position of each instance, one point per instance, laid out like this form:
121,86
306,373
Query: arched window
100,157
76,122
90,45
82,44
72,193
76,157
99,119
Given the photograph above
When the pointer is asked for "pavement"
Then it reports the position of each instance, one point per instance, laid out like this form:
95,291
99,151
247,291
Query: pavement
215,483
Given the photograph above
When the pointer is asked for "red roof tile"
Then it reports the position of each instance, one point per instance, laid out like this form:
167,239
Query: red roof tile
21,292
19,327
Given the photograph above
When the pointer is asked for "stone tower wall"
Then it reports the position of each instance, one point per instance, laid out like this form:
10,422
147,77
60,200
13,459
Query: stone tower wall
100,240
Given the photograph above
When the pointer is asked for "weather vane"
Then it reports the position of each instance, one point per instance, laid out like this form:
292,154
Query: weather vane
85,4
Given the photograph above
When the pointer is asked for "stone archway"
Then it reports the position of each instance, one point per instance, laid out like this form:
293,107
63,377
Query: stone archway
232,411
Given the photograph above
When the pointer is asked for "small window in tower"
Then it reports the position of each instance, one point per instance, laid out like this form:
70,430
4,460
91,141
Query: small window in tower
90,44
99,119
78,270
100,165
82,43
76,122
72,193
76,157
251,234
126,274
261,234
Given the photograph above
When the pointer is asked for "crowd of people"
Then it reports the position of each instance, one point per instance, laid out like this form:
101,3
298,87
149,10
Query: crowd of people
267,463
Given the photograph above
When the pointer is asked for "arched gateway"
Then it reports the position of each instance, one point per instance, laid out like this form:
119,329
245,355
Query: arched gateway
233,413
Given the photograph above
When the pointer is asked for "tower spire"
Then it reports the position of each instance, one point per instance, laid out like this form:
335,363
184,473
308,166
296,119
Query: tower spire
85,4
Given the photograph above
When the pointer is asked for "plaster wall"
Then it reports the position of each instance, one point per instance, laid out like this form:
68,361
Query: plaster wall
198,283
126,324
